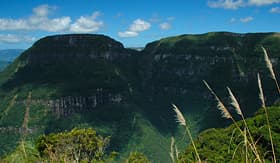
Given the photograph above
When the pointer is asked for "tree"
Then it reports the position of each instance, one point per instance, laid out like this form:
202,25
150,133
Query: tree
81,145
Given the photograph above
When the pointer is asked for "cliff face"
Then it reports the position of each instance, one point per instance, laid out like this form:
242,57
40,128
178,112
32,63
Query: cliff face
65,106
223,59
168,70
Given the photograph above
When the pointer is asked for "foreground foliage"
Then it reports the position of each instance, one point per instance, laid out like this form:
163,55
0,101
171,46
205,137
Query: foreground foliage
76,145
136,157
227,144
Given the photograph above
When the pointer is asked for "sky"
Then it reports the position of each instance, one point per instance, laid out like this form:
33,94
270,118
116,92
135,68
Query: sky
132,22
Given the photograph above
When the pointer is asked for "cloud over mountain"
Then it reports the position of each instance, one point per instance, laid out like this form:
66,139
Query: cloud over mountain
137,26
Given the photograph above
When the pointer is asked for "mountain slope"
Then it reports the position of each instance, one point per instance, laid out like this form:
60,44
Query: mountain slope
92,80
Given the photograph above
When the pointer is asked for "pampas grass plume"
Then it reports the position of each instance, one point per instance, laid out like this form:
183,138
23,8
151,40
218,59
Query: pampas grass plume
179,116
220,105
234,102
261,96
268,63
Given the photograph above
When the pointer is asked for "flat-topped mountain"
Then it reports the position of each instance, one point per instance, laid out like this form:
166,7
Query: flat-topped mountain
90,61
75,46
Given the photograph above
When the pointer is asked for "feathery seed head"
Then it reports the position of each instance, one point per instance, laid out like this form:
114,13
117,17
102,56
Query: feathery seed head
179,116
220,105
223,110
234,102
268,63
261,96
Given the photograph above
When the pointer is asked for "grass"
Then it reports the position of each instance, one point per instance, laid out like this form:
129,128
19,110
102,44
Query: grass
252,151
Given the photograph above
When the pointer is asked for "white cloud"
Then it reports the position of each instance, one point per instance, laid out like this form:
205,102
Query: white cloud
86,24
226,4
40,20
165,26
235,4
11,24
275,10
43,10
262,2
10,38
137,26
55,25
246,19
128,34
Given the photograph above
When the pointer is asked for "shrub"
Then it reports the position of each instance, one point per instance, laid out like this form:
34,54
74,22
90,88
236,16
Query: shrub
136,157
77,145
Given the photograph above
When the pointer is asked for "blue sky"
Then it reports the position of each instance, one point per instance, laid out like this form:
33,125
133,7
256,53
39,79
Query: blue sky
133,22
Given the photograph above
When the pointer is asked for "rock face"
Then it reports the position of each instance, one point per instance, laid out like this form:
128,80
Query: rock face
79,66
179,64
65,106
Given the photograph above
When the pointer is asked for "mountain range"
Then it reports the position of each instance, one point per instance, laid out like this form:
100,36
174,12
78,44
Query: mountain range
85,80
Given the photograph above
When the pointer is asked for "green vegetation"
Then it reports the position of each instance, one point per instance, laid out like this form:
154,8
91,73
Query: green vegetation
227,144
77,145
80,145
25,152
136,157
92,81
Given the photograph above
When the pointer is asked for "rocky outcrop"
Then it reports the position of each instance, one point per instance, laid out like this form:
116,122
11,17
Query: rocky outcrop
65,106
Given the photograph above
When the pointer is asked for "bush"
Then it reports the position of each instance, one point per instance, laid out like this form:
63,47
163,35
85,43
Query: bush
77,145
136,157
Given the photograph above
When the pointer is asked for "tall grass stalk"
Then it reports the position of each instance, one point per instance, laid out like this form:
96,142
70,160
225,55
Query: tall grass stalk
226,114
270,68
224,111
237,108
176,152
171,154
261,95
246,147
181,120
23,149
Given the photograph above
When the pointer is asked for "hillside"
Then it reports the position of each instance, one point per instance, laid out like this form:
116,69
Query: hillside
92,80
